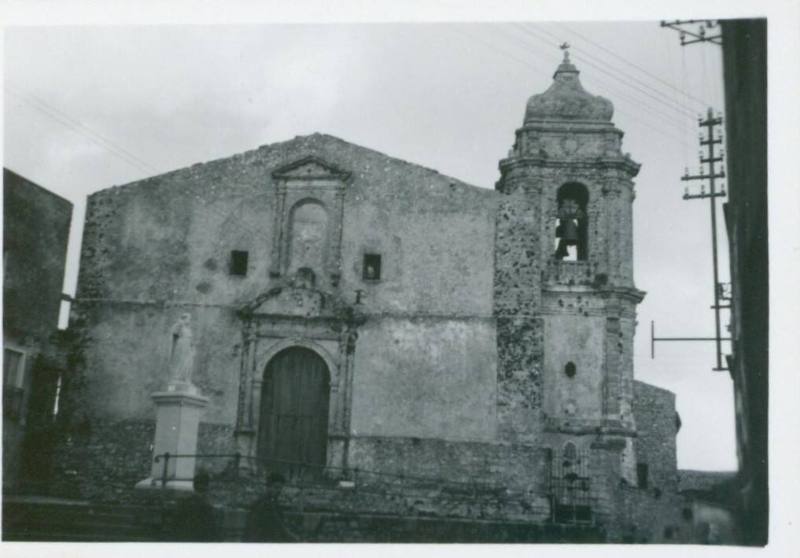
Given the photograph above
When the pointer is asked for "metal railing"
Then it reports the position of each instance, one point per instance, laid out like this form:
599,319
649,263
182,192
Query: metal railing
301,469
167,456
570,489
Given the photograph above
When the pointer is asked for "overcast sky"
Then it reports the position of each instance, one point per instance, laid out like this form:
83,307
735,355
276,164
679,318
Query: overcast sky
91,107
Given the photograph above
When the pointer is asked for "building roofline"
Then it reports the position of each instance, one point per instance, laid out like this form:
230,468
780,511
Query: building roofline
654,387
39,186
489,192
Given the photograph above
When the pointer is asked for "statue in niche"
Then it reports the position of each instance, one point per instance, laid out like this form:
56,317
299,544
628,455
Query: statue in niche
182,352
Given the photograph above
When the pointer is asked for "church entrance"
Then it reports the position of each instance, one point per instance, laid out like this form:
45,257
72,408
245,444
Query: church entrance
293,431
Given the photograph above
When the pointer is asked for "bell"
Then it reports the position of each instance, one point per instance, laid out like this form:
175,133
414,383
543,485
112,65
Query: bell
569,232
561,250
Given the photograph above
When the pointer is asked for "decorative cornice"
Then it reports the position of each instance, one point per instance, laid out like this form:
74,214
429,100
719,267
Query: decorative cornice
598,163
573,127
599,427
631,294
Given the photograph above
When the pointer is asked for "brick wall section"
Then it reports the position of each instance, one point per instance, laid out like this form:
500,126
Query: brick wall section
703,481
94,465
656,421
503,465
651,518
518,258
497,496
517,300
519,378
651,514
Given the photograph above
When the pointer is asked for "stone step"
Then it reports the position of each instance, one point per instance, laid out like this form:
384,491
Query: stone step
49,520
76,524
51,535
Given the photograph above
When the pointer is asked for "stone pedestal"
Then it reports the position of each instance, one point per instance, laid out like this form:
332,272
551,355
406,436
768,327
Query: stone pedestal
178,413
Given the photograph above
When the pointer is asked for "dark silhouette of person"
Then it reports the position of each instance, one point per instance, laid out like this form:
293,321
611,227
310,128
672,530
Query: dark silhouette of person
265,522
195,518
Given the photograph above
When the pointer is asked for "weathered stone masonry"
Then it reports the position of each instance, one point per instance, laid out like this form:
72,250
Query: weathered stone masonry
471,351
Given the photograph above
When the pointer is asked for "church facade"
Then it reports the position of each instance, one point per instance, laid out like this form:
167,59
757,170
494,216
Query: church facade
352,312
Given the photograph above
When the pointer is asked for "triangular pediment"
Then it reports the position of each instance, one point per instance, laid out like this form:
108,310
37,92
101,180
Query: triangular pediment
310,168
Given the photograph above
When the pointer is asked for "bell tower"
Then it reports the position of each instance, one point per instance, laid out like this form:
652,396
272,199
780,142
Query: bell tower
565,301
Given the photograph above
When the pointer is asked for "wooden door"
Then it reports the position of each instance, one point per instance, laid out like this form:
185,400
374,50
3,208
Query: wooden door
293,430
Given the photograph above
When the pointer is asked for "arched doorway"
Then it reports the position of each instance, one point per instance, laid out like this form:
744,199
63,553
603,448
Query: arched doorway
293,429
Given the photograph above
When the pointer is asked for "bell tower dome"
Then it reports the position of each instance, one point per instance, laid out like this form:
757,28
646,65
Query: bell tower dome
565,301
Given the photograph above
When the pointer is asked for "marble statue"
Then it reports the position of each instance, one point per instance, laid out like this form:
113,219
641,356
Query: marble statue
182,353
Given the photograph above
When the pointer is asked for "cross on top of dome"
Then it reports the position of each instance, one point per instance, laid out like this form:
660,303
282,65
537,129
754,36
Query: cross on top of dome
565,47
566,99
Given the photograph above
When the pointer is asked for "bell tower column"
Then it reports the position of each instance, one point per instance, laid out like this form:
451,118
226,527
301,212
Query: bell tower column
564,294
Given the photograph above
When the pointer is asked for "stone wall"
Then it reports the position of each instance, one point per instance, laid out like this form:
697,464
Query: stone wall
651,512
428,378
577,339
160,247
517,302
169,237
504,465
657,426
126,356
651,517
424,361
94,465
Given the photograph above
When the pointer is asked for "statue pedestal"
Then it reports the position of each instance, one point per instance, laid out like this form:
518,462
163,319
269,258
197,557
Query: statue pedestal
177,419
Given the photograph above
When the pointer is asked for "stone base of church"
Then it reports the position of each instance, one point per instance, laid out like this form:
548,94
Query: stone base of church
433,485
489,463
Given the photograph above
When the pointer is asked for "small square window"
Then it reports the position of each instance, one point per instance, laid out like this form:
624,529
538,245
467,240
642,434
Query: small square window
239,262
641,475
372,267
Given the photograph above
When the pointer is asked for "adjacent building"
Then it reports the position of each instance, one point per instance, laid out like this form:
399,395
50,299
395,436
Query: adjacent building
36,226
744,44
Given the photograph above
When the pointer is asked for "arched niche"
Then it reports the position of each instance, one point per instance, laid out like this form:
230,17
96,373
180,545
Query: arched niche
308,236
307,226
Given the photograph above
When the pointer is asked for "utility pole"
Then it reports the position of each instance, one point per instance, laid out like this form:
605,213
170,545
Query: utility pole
711,174
696,29
708,174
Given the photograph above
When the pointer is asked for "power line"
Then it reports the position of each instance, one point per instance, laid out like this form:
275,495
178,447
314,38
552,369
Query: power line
698,100
664,98
87,132
666,118
655,127
79,127
685,89
494,47
588,60
635,118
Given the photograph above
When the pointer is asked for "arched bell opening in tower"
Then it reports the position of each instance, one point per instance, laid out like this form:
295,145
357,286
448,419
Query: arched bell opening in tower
571,243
